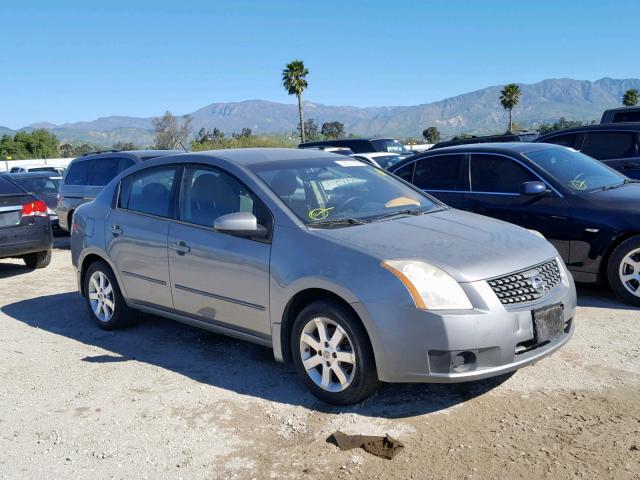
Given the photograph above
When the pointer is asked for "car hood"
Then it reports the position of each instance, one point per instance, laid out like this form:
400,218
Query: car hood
467,246
622,199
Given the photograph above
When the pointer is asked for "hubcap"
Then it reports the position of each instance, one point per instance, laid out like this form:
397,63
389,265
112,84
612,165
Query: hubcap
101,296
630,272
327,354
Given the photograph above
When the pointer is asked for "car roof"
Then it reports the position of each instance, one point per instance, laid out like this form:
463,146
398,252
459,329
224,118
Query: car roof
135,153
47,174
377,154
252,156
498,147
630,126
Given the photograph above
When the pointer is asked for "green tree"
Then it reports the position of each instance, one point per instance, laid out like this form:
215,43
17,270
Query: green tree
509,99
561,124
83,149
170,135
431,134
311,130
630,98
294,81
123,146
332,130
66,150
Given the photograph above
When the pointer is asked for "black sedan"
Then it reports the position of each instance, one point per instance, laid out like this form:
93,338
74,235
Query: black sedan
25,228
590,212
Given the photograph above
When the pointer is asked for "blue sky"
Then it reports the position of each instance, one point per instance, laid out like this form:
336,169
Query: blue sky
70,60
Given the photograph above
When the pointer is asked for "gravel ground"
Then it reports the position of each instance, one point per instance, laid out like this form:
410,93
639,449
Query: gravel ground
164,400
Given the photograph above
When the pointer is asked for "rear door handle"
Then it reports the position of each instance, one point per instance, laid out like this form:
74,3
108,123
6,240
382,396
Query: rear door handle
115,230
180,247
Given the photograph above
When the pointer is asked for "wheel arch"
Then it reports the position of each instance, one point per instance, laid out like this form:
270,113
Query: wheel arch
615,243
298,302
86,261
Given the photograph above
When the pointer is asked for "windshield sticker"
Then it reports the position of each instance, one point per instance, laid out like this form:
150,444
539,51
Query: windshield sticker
351,163
319,213
579,184
401,201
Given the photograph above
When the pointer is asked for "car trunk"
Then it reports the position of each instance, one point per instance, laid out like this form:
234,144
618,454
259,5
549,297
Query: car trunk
11,208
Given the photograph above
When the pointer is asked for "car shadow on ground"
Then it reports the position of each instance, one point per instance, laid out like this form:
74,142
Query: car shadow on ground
224,362
13,267
596,296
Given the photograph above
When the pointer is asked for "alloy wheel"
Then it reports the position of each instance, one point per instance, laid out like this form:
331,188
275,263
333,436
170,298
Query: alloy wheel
629,272
101,296
327,354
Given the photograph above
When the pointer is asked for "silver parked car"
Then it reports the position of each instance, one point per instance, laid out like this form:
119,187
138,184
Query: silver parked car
354,275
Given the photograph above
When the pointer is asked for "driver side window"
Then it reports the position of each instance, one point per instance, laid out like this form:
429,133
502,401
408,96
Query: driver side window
207,194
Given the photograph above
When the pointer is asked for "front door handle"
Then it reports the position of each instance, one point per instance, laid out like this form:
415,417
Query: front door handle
115,230
180,247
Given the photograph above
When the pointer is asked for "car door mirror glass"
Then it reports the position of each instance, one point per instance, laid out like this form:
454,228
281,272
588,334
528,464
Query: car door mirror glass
533,188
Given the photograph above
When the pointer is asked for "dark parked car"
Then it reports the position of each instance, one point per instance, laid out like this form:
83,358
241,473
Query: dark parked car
590,212
25,229
87,175
45,186
507,137
616,144
362,145
622,114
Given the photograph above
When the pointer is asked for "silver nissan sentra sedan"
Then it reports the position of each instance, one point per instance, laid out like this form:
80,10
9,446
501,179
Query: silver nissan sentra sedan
347,271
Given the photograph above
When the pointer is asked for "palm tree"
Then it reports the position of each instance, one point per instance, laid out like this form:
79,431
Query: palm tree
509,98
294,81
630,98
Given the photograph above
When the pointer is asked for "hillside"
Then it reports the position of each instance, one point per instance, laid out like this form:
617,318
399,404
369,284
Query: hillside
473,112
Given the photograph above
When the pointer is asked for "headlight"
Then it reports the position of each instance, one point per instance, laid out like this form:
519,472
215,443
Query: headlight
430,287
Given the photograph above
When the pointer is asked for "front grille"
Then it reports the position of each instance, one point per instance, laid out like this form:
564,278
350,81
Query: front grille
527,285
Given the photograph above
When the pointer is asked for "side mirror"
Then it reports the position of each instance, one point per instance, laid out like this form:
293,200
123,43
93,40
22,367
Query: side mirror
533,188
240,223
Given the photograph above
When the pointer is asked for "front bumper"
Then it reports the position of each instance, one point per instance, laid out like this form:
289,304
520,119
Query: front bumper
501,338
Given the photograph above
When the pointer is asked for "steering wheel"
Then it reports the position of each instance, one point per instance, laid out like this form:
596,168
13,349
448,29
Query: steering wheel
351,204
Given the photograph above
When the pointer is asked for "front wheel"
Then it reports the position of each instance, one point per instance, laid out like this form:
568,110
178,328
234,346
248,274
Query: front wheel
332,354
623,270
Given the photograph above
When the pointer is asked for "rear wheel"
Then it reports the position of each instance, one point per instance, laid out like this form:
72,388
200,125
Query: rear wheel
623,270
38,259
104,299
332,354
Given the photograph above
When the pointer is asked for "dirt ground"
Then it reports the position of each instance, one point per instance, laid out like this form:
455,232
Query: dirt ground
164,400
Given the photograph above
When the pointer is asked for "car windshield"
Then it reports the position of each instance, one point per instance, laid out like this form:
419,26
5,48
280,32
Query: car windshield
576,171
389,145
341,192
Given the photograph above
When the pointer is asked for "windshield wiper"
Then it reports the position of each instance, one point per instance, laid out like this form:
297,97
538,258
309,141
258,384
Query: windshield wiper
415,212
626,181
342,221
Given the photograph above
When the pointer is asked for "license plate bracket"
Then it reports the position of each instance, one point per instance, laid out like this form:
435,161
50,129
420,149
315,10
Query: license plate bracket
548,322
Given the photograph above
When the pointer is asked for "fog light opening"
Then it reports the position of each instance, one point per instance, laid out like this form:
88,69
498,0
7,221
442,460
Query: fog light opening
463,362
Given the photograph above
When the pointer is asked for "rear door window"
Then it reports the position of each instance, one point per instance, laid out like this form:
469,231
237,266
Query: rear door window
627,117
496,174
406,172
78,173
149,191
104,170
439,173
610,145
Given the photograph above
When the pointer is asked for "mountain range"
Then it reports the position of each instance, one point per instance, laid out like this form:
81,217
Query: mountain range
475,112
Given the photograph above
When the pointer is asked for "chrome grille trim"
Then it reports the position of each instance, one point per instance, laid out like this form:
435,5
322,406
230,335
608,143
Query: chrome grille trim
527,285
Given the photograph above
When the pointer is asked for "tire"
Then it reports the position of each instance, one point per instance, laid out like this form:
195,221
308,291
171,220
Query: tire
104,299
623,270
38,259
335,381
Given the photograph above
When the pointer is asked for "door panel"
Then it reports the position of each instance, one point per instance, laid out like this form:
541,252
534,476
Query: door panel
220,278
137,245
